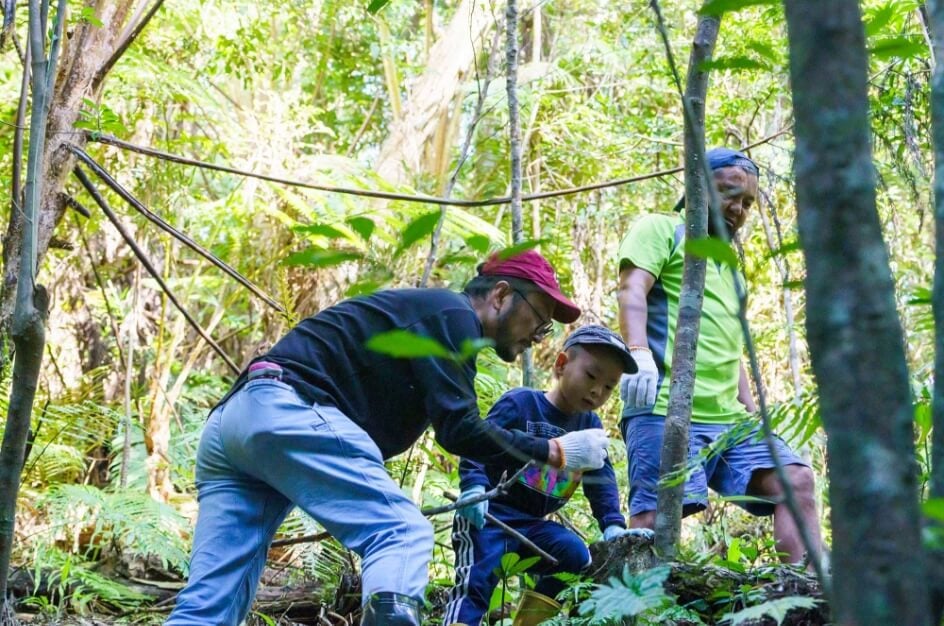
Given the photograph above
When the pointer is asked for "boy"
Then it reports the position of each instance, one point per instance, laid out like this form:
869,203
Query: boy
586,372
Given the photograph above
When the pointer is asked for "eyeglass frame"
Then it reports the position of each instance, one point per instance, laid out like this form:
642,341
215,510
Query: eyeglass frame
546,326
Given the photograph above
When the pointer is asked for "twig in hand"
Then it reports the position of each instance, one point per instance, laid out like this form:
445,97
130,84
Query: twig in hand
511,531
500,489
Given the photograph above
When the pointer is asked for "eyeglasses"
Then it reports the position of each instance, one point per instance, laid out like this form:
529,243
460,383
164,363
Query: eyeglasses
542,329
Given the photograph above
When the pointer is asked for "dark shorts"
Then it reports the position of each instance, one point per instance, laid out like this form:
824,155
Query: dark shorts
721,456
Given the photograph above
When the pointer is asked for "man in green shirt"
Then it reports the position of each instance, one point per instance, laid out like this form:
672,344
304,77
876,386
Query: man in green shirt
651,259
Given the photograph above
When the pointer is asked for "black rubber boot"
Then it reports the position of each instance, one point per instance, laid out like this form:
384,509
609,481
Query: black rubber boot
386,608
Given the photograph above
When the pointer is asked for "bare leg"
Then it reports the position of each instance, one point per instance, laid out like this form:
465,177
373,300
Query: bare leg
786,533
646,519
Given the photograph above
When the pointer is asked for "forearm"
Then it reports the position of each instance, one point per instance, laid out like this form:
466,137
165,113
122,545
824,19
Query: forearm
744,391
633,315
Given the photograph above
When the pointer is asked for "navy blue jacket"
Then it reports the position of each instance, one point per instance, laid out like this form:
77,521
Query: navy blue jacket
395,399
542,489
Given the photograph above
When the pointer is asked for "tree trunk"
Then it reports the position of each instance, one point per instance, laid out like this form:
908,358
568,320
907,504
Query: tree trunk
853,328
84,53
32,301
682,383
431,96
514,147
936,556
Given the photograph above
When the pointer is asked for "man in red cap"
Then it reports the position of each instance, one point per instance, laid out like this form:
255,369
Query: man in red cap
311,422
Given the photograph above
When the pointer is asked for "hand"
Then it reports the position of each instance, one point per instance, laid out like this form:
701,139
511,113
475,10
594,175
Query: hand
639,390
475,513
614,531
583,449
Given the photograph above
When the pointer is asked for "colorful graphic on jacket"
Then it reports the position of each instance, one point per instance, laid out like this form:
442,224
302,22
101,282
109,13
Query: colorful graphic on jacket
550,481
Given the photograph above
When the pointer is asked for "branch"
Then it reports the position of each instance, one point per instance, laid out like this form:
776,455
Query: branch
126,41
128,197
500,489
142,257
514,533
158,154
668,525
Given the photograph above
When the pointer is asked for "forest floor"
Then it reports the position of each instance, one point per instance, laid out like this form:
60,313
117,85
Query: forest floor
691,594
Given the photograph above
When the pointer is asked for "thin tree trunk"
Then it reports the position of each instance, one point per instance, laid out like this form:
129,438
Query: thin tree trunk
678,417
514,145
853,328
86,51
935,10
28,327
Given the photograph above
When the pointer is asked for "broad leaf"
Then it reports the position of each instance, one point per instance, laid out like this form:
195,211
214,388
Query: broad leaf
512,564
933,508
878,19
788,246
325,230
717,7
376,5
319,257
711,248
363,226
732,63
518,248
479,243
420,227
471,347
898,47
403,344
775,609
765,50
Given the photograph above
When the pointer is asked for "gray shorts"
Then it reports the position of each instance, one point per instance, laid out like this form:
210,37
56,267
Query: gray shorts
721,456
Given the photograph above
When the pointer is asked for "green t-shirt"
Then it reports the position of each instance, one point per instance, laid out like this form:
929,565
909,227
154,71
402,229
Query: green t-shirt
655,244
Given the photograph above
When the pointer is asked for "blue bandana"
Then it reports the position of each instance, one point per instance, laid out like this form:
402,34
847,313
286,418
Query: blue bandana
726,157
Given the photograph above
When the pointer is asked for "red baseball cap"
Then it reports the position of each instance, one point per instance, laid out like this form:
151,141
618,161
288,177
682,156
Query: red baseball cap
531,266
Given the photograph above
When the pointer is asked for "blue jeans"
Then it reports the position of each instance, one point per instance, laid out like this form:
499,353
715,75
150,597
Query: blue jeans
265,450
479,553
727,469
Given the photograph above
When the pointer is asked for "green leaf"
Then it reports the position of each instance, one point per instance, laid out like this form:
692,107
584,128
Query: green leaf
403,344
793,284
325,230
922,417
717,7
921,296
878,18
518,248
628,596
789,246
734,550
363,288
775,609
898,47
319,257
479,243
732,63
376,5
363,226
417,229
471,347
765,50
933,508
512,564
711,248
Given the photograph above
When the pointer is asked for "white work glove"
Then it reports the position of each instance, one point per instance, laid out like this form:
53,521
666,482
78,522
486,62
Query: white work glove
614,531
475,513
639,390
583,449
